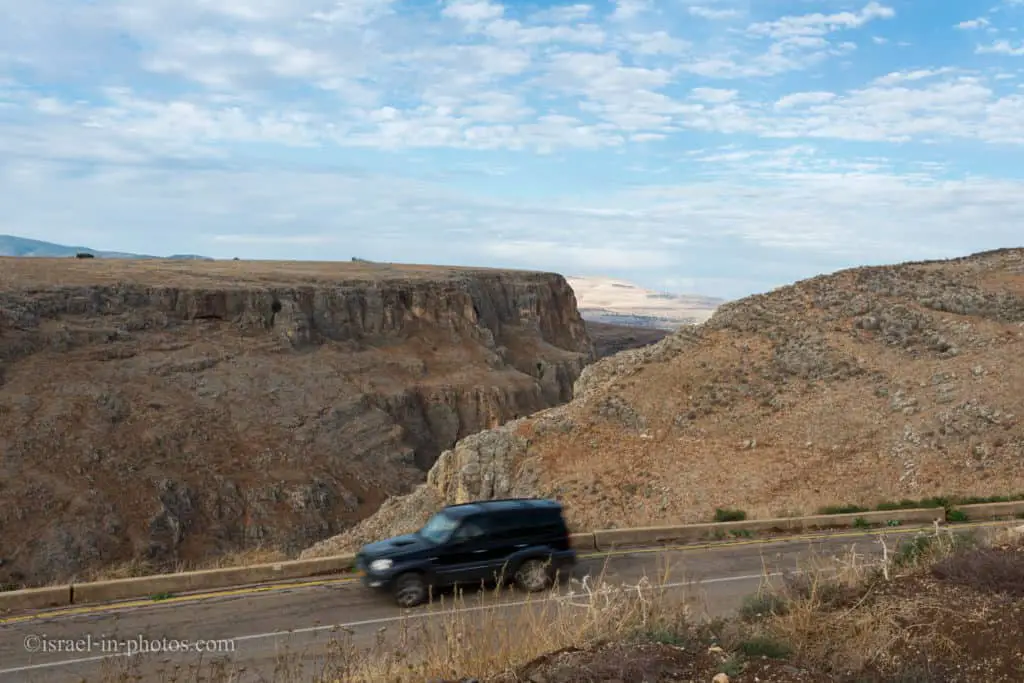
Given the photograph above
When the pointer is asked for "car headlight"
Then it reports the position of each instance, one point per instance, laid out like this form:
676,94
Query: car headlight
380,565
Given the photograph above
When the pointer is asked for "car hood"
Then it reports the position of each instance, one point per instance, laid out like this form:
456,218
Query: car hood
399,545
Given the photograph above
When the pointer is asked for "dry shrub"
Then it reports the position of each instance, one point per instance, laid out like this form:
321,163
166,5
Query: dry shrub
854,616
121,570
997,569
239,558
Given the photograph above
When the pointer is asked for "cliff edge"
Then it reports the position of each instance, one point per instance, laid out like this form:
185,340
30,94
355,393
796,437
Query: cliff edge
866,385
163,412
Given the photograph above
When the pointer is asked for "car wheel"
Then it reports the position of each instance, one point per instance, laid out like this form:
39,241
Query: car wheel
533,576
410,590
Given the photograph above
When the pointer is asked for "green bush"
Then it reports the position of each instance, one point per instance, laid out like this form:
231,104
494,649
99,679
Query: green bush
762,646
956,516
841,509
728,515
761,605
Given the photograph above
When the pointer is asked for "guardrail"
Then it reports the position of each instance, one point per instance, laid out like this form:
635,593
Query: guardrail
981,511
604,539
693,533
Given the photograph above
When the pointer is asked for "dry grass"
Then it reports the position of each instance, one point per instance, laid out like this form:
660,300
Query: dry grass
140,567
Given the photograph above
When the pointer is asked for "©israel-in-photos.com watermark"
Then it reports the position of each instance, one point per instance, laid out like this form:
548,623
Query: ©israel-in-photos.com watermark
43,644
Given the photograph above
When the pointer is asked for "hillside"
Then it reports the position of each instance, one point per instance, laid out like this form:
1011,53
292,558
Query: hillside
605,300
862,386
167,411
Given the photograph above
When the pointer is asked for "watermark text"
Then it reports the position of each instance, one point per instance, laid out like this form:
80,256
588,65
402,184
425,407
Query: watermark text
139,645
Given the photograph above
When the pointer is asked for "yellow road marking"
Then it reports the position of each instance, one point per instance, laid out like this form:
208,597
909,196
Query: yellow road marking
275,587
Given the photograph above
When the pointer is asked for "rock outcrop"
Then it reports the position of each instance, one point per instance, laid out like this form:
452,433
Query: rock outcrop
863,386
169,412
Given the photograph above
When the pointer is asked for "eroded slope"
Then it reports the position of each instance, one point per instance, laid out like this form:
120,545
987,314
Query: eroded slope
172,411
865,385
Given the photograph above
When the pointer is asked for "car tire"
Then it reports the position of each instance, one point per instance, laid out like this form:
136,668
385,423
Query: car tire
533,575
410,590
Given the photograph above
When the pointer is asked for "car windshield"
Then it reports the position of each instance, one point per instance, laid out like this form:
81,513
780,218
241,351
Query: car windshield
438,528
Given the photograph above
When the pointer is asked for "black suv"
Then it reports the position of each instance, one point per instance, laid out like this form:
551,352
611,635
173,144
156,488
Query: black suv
524,539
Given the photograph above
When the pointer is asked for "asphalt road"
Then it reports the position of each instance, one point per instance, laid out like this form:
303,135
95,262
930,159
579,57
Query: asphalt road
284,632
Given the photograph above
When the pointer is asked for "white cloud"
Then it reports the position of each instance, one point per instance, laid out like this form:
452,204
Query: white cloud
473,11
563,14
916,75
821,24
1002,47
804,98
629,9
714,95
973,23
796,43
714,14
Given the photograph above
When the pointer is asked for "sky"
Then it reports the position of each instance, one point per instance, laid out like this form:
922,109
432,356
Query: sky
715,147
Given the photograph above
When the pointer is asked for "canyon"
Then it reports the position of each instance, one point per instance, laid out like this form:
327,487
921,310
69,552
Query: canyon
158,413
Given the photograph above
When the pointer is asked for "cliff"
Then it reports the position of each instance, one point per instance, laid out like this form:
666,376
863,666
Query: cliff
162,412
859,387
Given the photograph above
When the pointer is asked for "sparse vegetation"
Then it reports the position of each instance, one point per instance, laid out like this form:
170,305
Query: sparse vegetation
765,646
841,509
947,502
729,515
763,604
956,516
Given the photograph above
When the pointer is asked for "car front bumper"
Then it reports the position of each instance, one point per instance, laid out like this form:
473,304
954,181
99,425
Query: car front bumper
376,581
373,579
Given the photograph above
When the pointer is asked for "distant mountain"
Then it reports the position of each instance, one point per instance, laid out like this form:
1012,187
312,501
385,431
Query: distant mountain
604,300
23,246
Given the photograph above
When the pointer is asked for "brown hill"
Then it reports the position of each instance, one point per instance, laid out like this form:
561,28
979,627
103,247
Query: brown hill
169,411
865,385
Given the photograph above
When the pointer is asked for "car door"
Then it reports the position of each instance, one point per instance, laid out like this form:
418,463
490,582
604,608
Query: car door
463,560
506,536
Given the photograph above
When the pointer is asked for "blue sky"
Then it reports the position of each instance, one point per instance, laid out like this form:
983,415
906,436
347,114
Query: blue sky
720,147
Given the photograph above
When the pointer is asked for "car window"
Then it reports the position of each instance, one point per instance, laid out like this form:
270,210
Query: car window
438,528
470,530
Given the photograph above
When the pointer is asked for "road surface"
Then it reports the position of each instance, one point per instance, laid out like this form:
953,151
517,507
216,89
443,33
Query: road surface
257,631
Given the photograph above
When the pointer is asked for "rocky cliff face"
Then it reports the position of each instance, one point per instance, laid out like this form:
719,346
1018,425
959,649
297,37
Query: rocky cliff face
863,386
169,412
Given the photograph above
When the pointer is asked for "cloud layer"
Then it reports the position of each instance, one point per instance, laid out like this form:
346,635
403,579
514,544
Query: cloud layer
722,147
